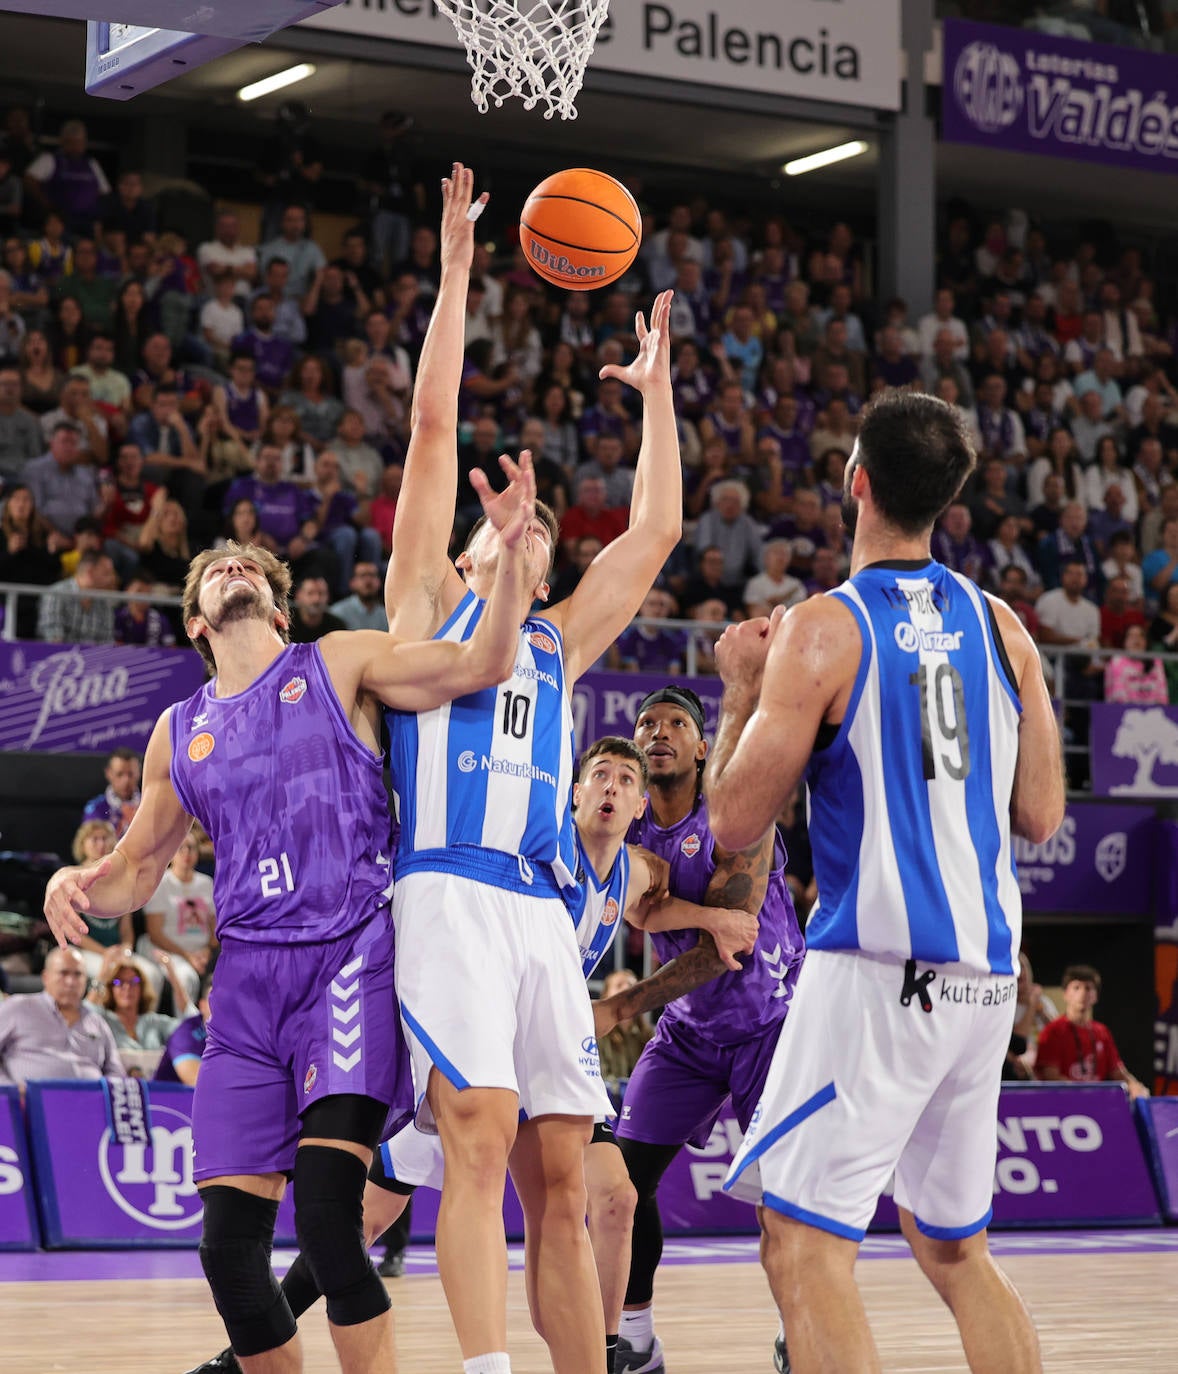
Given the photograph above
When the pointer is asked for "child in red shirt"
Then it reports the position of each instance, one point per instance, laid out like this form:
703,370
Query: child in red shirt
1076,1048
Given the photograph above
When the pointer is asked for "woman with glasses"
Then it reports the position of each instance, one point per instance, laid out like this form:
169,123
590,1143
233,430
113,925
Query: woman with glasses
127,1000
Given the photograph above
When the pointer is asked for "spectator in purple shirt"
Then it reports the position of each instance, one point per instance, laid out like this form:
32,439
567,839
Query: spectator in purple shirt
286,513
608,415
272,355
138,622
121,799
892,366
691,386
649,648
341,520
955,546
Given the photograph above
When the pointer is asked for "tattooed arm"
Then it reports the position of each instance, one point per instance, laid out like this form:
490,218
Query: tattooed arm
740,881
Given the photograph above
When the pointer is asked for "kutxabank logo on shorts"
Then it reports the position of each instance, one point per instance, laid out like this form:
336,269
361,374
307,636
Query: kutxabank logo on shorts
988,88
153,1184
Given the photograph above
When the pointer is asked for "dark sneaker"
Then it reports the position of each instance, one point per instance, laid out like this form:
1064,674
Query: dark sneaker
631,1361
780,1356
224,1363
393,1265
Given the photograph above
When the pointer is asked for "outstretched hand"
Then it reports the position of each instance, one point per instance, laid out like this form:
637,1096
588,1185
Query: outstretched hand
652,366
510,511
457,231
66,896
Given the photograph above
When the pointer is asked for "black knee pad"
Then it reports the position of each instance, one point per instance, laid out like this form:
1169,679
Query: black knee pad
235,1242
329,1222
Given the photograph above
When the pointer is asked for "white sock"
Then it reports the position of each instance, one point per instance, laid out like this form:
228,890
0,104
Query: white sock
780,1329
638,1328
496,1363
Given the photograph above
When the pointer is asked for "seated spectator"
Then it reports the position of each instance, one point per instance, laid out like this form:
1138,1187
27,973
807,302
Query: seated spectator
1141,681
851,381
727,525
286,513
730,421
620,1049
364,608
342,518
311,396
1160,568
30,294
127,1000
835,428
1101,379
181,921
642,648
164,551
714,614
954,545
1118,612
561,443
1107,472
606,465
12,324
297,249
93,841
20,434
127,211
1122,562
26,553
590,515
994,502
170,454
382,514
221,318
1013,589
1075,1047
54,1034
284,430
65,489
41,379
127,504
242,410
138,621
945,361
1059,456
119,801
1001,429
892,366
1068,617
941,318
773,586
608,415
110,389
78,409
579,557
180,1061
803,529
743,347
69,180
333,311
158,371
1154,481
94,293
273,354
309,617
1162,634
1089,426
708,585
377,388
1071,541
1005,550
69,616
515,338
224,250
1103,524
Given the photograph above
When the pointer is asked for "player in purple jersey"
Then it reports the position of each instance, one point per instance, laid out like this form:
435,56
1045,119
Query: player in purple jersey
918,791
279,758
716,1042
478,1117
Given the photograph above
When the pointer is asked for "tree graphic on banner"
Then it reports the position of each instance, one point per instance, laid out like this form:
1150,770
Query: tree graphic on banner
1150,737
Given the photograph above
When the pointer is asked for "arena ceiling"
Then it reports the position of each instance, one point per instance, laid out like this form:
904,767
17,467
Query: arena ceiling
45,56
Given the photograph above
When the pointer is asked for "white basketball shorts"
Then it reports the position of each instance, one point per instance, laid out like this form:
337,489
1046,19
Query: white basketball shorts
881,1068
492,995
414,1157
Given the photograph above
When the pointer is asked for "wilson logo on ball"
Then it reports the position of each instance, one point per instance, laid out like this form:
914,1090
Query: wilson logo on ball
561,266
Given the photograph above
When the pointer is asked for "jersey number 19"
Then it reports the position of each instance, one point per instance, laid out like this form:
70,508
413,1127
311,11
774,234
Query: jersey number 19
944,706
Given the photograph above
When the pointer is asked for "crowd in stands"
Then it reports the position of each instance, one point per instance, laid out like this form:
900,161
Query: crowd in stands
158,396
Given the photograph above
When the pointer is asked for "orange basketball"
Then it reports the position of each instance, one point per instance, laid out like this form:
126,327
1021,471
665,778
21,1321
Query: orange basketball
580,229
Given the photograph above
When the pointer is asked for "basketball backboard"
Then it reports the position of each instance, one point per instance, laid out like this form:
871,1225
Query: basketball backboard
133,45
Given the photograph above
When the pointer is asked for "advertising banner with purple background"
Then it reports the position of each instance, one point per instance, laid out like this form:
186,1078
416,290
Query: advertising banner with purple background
1035,93
94,1193
1165,955
1103,858
607,703
1066,1156
18,1215
1160,1115
66,698
1134,749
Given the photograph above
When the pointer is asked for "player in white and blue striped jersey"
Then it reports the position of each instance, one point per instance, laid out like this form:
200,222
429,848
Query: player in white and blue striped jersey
486,853
915,705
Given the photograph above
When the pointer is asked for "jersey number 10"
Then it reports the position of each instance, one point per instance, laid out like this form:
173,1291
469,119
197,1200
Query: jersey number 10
948,695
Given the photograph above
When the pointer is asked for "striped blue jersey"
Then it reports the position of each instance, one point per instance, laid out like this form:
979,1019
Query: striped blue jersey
597,905
483,784
910,802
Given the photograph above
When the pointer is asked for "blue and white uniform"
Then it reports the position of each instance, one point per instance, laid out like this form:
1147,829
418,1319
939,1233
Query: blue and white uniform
490,990
414,1157
890,1057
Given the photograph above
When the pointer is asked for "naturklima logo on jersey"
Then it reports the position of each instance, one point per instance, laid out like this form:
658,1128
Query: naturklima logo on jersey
911,639
469,761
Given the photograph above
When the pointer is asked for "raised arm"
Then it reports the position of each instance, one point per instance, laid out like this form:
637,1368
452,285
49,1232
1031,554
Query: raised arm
1038,800
612,590
412,675
420,568
124,880
781,677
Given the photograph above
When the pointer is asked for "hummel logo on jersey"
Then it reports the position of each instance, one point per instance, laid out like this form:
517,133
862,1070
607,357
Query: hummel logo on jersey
690,846
295,690
916,987
198,721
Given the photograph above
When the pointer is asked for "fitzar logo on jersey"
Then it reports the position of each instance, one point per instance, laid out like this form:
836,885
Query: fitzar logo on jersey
295,690
690,846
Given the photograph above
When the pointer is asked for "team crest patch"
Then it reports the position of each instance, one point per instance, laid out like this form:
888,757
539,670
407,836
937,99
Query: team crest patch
310,1080
690,846
201,746
295,690
610,914
545,643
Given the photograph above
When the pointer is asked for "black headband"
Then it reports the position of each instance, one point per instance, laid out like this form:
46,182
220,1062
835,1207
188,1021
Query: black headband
682,697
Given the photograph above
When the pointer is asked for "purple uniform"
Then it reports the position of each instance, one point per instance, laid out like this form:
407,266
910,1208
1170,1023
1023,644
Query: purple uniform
187,1041
717,1041
296,809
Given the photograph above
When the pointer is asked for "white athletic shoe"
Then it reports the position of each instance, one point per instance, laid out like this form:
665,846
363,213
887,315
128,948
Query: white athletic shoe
631,1361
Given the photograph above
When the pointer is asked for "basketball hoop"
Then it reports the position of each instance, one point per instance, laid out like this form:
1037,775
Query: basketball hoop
534,49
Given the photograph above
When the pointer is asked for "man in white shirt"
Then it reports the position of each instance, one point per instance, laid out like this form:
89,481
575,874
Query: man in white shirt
942,317
223,250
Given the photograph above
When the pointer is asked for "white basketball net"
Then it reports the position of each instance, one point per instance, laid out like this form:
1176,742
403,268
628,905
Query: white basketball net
534,49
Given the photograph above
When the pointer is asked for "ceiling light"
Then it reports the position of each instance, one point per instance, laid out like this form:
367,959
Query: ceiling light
277,81
799,165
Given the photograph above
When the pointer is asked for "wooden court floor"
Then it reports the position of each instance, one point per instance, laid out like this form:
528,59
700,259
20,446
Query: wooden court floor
1096,1313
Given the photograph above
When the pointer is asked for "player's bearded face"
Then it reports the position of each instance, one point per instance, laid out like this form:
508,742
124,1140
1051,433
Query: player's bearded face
669,740
237,598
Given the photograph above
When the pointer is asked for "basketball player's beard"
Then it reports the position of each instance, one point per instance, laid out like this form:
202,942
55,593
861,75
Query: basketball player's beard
241,602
